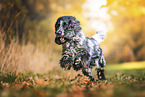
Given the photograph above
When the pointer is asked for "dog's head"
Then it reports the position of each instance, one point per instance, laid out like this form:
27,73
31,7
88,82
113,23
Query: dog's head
66,28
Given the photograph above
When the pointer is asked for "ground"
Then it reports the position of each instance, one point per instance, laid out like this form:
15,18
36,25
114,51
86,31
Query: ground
123,80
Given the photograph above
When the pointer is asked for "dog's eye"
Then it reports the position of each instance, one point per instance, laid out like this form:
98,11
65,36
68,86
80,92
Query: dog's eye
58,25
64,25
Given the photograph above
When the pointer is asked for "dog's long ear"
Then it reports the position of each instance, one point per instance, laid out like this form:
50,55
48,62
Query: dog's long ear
71,25
57,41
77,26
71,22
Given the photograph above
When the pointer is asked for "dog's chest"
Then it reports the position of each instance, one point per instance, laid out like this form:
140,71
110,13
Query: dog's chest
69,46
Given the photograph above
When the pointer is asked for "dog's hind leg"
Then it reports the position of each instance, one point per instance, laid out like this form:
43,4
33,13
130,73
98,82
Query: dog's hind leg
101,74
87,72
100,71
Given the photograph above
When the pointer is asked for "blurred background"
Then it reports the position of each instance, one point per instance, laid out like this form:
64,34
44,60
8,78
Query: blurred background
27,31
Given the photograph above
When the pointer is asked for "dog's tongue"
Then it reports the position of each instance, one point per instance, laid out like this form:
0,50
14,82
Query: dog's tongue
62,40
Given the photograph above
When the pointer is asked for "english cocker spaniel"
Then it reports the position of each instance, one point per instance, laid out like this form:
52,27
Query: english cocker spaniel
79,51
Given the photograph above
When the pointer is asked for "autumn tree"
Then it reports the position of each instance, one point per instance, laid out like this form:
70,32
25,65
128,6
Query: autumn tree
127,37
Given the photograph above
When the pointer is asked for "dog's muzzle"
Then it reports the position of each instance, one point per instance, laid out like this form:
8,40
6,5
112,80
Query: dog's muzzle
60,40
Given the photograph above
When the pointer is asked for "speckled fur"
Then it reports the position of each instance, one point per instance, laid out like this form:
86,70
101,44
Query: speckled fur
79,51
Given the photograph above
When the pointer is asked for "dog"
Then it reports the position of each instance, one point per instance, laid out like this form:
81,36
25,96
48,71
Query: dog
78,51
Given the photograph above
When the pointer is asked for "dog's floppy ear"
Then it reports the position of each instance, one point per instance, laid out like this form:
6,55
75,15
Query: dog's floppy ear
71,25
57,41
71,22
74,24
77,26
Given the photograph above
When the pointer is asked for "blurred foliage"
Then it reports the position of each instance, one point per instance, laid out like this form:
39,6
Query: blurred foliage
22,18
33,21
126,41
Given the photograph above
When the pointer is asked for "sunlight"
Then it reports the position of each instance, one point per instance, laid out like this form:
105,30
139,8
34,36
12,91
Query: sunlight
97,16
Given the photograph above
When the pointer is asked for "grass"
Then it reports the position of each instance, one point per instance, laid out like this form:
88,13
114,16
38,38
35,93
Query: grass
127,66
122,81
15,57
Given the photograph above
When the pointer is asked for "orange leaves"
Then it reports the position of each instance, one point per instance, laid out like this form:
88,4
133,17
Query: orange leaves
4,85
124,78
82,83
53,84
42,82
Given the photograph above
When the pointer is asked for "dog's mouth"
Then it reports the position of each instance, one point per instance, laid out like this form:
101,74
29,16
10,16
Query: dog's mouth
62,39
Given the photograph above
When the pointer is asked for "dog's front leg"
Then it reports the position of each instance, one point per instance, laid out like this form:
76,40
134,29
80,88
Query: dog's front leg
87,72
66,62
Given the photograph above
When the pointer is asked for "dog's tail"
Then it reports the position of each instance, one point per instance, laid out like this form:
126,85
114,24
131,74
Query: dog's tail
99,36
101,33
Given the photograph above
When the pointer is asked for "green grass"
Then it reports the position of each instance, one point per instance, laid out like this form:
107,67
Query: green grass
127,66
123,80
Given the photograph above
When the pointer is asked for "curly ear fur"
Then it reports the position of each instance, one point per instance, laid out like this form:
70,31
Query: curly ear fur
73,23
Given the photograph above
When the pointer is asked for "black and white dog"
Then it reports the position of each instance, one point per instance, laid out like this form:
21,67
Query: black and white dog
79,51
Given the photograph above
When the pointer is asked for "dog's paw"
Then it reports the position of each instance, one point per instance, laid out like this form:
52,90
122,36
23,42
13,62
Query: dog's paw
66,62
